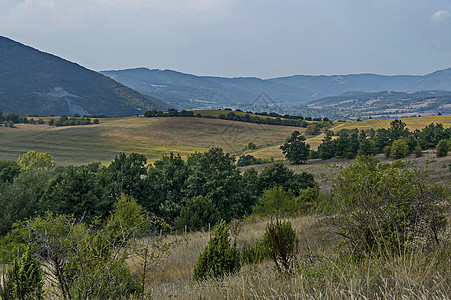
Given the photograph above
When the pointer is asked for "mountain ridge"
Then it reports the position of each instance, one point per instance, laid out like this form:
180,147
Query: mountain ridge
36,82
190,91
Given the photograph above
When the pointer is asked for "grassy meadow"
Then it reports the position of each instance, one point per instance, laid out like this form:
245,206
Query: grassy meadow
154,137
320,273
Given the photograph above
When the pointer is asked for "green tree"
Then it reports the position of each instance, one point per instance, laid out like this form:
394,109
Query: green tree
276,201
399,149
219,258
197,214
77,191
442,148
214,175
367,147
326,149
279,175
295,148
33,160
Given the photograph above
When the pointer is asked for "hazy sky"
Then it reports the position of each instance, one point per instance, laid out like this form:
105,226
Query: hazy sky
263,38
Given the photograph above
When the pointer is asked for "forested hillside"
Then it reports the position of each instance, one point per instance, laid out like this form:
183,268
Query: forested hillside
34,82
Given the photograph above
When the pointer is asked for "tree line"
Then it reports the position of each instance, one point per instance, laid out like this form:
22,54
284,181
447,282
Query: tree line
203,189
249,117
396,141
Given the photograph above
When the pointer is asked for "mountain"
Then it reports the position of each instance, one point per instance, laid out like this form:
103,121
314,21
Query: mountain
205,92
380,105
34,82
202,92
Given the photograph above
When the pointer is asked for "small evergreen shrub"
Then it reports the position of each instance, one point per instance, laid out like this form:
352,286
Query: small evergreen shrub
254,254
282,244
219,258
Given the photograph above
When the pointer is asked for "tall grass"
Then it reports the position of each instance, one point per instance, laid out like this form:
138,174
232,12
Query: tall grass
320,273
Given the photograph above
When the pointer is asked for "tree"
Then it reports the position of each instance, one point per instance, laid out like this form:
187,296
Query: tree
295,148
399,149
36,161
279,175
77,191
442,148
219,258
326,149
197,214
276,201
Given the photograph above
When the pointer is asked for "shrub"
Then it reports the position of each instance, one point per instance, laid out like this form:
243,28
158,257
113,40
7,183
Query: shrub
442,148
387,151
386,208
399,149
254,254
418,151
282,244
219,258
276,201
23,280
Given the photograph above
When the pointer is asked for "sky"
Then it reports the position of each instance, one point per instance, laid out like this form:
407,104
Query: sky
233,38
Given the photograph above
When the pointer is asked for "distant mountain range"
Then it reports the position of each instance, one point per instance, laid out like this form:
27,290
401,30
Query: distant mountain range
34,82
202,92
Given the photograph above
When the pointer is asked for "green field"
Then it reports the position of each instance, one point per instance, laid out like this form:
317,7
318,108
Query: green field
155,137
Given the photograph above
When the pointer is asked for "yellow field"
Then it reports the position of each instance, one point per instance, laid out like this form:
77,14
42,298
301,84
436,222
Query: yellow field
152,137
155,137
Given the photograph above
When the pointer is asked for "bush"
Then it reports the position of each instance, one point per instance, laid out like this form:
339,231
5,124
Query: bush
386,208
442,148
23,280
276,201
219,258
254,254
282,244
387,151
418,151
399,149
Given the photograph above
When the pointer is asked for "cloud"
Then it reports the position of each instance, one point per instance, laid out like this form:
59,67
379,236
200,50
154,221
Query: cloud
440,15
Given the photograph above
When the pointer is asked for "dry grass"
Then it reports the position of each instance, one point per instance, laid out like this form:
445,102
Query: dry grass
321,274
326,170
412,123
153,137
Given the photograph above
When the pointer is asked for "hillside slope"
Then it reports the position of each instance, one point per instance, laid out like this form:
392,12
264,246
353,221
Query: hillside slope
155,137
32,81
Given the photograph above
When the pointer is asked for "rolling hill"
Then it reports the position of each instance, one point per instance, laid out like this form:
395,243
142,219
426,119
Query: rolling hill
186,91
34,82
155,137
